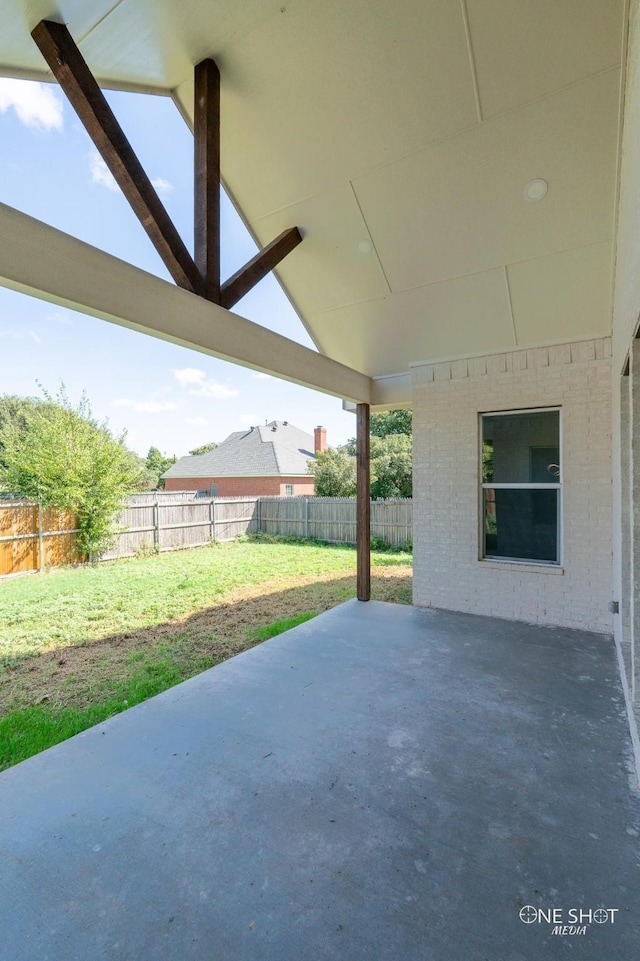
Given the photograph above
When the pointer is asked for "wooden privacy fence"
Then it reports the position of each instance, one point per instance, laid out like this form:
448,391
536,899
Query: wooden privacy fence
161,521
32,537
334,518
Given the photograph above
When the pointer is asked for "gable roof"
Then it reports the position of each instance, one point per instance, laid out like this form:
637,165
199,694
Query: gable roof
278,448
405,151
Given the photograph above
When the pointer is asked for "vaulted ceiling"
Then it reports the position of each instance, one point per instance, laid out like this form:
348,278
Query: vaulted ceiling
400,138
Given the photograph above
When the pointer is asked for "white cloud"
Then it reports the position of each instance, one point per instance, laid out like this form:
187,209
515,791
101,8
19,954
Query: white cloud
198,421
100,173
258,375
189,375
249,419
34,337
37,105
162,186
144,406
58,317
199,385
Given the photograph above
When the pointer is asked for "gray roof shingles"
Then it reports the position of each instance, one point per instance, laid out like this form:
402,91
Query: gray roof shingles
259,452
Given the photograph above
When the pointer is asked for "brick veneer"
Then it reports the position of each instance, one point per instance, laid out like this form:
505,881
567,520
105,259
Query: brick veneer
447,399
239,486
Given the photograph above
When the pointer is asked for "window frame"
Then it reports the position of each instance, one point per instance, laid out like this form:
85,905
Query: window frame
289,490
482,555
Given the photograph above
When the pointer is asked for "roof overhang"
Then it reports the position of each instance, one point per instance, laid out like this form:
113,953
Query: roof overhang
400,138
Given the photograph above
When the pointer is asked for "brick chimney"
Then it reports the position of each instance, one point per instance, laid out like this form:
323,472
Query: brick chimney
319,440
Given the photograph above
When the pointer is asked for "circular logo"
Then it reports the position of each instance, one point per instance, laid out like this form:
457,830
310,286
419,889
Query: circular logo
600,916
528,914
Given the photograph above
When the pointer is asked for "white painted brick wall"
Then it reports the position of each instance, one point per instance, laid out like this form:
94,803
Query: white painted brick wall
626,310
447,399
626,305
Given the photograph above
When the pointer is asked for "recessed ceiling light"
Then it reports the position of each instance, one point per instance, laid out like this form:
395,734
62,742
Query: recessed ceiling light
536,190
364,246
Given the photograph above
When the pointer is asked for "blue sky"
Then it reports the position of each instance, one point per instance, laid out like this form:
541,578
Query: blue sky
163,395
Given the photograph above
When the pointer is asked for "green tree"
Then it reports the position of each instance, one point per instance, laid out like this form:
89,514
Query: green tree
334,472
391,466
391,422
391,460
204,449
155,464
14,410
391,454
62,456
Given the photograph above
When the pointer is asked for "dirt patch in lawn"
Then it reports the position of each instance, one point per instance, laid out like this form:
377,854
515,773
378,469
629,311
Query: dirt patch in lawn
80,674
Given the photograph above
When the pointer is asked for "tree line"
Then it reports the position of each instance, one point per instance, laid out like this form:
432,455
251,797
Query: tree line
334,470
59,454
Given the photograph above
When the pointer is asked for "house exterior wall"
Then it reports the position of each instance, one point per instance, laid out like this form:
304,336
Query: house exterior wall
626,308
243,486
626,376
447,401
624,590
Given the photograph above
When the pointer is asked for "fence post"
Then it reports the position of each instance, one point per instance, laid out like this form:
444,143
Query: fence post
212,518
156,524
259,513
40,538
306,517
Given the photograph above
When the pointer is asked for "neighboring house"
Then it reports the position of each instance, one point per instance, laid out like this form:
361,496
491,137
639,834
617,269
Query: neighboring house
269,460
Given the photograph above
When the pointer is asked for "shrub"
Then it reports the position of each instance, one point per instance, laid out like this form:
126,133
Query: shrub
60,455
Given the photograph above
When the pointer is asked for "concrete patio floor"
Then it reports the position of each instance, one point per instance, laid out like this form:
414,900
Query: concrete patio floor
381,782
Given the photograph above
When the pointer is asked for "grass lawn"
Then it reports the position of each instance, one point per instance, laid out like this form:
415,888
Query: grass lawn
78,645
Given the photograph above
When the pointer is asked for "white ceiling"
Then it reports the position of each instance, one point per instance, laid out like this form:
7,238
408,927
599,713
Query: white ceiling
416,125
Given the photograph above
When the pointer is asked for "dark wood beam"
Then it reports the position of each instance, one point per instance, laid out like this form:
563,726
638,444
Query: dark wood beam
258,267
363,503
78,83
206,131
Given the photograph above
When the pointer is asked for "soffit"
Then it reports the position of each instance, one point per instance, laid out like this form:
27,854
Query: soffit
137,44
523,51
329,90
327,265
415,125
461,201
18,53
566,293
466,315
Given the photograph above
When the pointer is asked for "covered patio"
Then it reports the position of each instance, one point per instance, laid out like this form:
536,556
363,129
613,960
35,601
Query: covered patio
381,782
449,192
